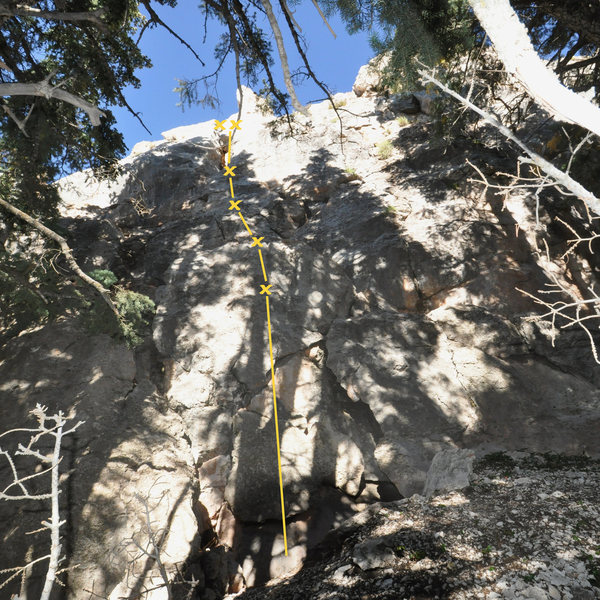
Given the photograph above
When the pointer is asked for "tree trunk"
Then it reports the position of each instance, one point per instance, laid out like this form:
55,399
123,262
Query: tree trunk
514,48
283,58
580,17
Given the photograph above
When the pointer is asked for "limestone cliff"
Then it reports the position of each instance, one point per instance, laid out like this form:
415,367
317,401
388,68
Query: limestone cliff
397,334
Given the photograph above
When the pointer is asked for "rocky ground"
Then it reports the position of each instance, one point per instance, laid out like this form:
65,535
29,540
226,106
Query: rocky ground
527,527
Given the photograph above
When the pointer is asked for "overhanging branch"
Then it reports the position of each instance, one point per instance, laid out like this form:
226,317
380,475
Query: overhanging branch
22,10
44,89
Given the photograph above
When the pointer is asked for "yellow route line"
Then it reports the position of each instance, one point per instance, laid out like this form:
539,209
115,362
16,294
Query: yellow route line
262,264
244,221
276,426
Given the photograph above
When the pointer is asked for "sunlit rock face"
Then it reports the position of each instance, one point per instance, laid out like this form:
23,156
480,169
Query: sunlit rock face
398,333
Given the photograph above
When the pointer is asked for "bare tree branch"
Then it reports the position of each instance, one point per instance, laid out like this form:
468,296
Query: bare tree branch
324,19
514,48
296,24
283,58
569,311
309,69
19,122
223,8
45,90
156,19
22,10
55,427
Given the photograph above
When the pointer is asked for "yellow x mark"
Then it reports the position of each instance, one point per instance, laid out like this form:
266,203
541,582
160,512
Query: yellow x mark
256,241
234,204
229,171
219,124
265,289
235,124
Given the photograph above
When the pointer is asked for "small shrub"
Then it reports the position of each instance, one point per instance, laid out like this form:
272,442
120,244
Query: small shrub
104,277
350,171
338,104
402,121
135,311
384,149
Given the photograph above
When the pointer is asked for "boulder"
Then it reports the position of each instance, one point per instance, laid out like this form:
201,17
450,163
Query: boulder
369,76
405,103
449,470
427,101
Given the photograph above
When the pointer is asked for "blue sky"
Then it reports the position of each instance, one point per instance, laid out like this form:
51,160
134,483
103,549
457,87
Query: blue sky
335,62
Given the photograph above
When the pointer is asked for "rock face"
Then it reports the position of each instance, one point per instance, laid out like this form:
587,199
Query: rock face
369,76
398,336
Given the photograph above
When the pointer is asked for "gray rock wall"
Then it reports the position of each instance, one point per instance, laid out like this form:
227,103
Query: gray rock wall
397,334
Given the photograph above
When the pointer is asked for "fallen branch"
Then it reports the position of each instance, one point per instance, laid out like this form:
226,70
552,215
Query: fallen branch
66,251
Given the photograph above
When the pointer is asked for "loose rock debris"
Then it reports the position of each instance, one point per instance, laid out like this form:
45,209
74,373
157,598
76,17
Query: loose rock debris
526,528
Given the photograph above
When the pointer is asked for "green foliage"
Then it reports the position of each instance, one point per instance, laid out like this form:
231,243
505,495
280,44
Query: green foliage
254,56
104,276
93,63
29,288
32,293
430,30
135,311
402,121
